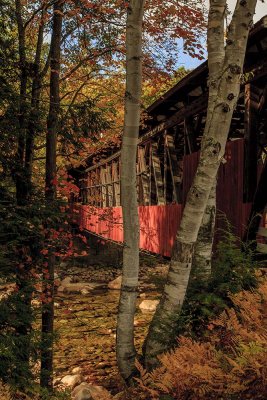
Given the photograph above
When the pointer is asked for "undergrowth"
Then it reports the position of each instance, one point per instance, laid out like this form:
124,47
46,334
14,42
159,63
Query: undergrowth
233,270
229,363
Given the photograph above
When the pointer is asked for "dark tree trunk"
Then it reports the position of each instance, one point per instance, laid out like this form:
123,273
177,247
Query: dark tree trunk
34,112
51,143
19,173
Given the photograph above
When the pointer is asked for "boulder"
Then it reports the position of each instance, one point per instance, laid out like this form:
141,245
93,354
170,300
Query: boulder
71,380
86,391
148,305
115,284
77,287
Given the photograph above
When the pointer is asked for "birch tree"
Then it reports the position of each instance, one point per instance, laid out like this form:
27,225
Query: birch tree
201,266
125,324
225,69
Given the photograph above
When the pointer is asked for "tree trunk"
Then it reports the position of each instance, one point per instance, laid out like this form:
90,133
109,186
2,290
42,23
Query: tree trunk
35,100
19,173
223,95
125,324
201,266
46,380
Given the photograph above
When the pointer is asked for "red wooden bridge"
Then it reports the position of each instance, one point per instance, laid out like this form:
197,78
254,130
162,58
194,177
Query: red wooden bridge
168,154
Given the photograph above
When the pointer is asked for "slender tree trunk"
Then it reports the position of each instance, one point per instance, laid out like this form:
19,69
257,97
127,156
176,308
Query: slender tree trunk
35,101
46,380
23,279
127,304
19,173
162,330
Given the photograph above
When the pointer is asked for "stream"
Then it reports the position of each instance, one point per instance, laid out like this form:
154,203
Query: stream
85,328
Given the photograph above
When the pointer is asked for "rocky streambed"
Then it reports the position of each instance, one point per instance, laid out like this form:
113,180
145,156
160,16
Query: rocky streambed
85,322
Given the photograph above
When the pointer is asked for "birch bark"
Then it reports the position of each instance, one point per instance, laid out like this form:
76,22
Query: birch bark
125,325
223,95
201,266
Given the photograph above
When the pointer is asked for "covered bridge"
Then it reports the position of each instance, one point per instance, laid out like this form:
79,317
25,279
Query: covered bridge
168,153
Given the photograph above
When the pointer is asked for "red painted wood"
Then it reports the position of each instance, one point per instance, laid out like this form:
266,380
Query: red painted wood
159,224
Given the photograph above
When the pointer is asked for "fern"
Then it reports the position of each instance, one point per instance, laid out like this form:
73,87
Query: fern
229,363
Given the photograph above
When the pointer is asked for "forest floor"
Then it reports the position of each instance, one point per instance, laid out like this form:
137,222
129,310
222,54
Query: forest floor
86,323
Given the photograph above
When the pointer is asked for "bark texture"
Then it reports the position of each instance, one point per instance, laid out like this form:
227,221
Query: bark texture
223,95
125,324
46,380
201,267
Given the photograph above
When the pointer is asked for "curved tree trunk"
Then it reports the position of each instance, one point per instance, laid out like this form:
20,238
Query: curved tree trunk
223,95
125,324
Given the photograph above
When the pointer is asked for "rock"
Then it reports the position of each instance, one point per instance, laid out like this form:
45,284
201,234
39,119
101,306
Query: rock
86,391
115,284
148,305
76,287
66,281
67,286
56,381
76,370
71,380
60,289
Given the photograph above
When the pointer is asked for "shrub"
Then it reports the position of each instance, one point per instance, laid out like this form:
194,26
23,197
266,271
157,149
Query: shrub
230,363
233,269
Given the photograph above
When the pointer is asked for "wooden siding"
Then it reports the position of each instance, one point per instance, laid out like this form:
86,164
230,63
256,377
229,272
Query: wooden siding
159,223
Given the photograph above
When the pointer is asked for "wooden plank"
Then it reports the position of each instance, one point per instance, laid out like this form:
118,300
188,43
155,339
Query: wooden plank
165,167
143,177
251,148
103,187
157,174
176,171
116,183
109,186
149,149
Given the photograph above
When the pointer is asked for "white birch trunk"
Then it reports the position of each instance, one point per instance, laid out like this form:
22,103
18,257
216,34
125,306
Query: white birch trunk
125,324
224,87
201,266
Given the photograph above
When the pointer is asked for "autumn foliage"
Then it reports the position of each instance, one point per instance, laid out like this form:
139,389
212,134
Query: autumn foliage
229,362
